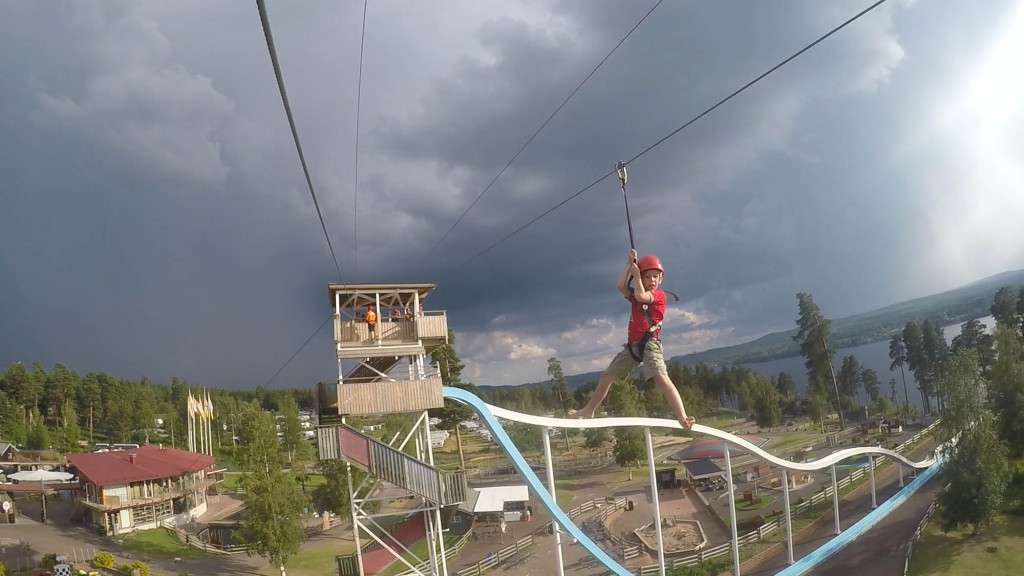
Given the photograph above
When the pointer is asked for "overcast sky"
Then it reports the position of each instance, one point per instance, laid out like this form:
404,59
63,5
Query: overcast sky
154,218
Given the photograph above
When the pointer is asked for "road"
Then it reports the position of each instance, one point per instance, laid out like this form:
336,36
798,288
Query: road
882,550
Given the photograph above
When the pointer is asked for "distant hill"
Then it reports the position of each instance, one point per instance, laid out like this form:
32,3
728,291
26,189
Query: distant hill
957,305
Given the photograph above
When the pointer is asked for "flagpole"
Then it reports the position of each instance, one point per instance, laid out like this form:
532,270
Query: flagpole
206,424
202,425
191,426
209,423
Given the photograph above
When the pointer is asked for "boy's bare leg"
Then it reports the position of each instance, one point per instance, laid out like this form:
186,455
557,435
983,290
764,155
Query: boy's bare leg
675,401
603,385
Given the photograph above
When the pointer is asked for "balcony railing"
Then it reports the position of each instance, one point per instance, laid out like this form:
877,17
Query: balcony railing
157,494
351,332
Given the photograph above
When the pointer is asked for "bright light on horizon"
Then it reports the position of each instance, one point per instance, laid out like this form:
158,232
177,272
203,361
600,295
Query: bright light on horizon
998,91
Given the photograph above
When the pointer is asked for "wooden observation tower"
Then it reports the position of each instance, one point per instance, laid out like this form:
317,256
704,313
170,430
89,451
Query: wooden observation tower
384,368
392,373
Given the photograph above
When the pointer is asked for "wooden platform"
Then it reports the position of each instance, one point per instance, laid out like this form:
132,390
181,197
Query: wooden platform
380,397
402,337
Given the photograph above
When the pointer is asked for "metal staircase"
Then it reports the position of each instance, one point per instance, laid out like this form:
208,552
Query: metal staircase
391,465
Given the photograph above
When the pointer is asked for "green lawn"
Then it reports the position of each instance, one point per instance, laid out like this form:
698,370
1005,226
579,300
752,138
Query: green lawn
230,480
997,551
314,559
793,439
569,484
563,498
760,501
161,544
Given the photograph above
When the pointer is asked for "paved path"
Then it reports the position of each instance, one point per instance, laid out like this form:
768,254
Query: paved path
883,549
865,552
77,541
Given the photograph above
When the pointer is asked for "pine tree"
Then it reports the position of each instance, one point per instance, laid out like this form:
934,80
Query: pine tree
813,337
898,355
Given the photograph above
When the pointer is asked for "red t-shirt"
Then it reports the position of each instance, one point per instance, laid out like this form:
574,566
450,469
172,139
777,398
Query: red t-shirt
638,320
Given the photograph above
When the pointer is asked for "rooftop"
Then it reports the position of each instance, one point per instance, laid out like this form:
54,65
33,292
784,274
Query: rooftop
149,462
493,498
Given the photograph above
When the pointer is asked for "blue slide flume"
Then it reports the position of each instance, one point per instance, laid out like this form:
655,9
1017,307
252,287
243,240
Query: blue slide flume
536,486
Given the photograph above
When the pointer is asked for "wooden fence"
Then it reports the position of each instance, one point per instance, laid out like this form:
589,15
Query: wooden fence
917,534
194,542
767,528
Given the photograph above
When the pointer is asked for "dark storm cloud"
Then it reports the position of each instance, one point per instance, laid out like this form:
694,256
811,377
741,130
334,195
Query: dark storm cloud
156,220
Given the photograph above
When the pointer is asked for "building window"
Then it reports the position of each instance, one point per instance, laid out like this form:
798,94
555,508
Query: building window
456,519
163,510
142,515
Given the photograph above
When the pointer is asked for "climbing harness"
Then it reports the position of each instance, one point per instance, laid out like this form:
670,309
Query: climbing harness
641,345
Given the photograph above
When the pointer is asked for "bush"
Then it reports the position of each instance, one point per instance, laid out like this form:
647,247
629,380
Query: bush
139,565
103,559
3,569
49,561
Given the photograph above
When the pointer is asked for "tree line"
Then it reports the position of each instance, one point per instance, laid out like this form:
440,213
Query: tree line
60,408
976,385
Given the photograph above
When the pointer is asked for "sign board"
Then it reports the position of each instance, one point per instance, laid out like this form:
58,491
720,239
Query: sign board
6,505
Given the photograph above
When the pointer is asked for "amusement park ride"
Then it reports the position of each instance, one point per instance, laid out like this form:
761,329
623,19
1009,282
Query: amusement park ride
388,371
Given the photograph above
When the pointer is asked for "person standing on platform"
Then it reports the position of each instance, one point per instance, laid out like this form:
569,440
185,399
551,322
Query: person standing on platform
371,322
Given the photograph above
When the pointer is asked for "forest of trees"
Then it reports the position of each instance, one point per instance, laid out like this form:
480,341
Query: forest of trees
60,408
977,383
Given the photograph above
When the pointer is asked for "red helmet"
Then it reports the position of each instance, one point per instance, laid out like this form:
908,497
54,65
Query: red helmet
649,262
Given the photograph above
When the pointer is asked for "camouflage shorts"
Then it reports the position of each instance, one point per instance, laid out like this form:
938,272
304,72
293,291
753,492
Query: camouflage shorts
654,361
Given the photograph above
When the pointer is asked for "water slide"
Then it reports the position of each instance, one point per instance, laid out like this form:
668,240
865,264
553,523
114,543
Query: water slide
489,416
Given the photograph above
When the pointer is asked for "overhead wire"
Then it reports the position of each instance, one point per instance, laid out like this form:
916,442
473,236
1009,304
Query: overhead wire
289,361
680,128
265,20
355,184
538,131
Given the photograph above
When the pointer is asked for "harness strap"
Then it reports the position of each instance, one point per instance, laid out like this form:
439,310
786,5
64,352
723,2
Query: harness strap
641,345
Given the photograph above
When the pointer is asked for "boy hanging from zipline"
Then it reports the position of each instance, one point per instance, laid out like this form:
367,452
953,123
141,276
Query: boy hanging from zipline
648,310
643,345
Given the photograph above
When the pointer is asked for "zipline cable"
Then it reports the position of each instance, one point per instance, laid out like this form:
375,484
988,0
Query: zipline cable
355,182
265,20
542,126
677,130
289,361
620,170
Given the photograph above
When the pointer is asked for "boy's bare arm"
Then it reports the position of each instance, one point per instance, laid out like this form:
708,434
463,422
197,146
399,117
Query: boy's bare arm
639,292
623,281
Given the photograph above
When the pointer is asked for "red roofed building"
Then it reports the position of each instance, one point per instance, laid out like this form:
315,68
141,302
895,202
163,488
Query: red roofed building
137,489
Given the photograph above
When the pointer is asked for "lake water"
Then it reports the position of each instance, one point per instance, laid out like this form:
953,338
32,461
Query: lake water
874,356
